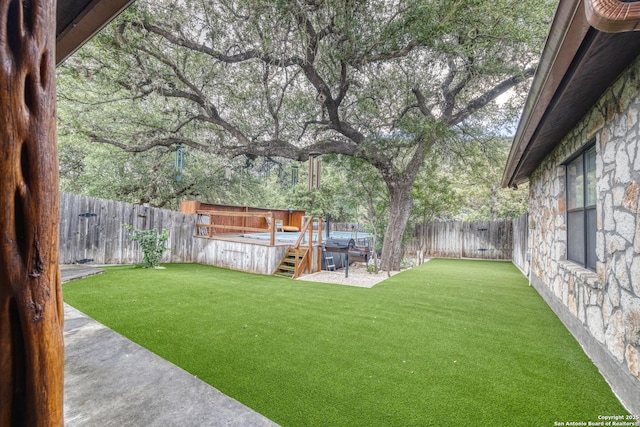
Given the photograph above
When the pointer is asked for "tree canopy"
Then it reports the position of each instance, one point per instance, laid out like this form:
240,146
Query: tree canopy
383,81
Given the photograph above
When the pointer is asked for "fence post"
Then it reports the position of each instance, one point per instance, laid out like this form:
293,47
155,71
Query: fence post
272,231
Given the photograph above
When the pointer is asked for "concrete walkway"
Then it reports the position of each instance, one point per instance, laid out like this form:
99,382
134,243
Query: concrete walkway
111,381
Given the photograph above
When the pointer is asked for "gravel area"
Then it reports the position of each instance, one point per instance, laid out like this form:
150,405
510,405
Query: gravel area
358,276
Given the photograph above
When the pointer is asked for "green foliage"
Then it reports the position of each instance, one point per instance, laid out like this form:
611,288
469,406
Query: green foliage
336,195
238,80
365,191
152,243
474,166
433,195
448,343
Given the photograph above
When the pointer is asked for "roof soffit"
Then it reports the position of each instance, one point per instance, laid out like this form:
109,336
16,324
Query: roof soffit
577,65
79,20
567,31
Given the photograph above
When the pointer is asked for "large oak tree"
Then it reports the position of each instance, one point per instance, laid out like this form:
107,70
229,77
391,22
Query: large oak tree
380,80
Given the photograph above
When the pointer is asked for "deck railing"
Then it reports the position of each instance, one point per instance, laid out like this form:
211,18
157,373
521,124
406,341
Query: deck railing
303,247
305,259
208,229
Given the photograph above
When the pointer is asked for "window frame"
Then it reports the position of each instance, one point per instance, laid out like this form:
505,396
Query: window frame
586,212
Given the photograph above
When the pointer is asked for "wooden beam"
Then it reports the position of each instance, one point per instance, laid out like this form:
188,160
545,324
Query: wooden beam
31,311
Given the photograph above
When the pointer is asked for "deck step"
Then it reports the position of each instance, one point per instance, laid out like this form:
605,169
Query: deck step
283,274
289,264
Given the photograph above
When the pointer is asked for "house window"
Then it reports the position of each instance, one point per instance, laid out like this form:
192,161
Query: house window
581,208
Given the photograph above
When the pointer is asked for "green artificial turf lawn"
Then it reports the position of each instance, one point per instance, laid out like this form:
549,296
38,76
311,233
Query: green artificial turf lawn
449,343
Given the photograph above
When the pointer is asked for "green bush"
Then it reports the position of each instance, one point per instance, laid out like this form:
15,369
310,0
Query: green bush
152,243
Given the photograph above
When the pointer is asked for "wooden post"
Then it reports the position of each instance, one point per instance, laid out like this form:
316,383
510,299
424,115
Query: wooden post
310,244
31,311
272,229
319,245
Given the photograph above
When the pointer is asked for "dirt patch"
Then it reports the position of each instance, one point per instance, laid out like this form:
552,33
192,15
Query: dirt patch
358,276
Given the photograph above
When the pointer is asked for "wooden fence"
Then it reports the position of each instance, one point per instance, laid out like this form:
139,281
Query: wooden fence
521,243
455,239
91,231
348,226
229,218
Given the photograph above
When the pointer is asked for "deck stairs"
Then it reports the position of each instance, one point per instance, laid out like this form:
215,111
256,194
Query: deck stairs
298,258
293,264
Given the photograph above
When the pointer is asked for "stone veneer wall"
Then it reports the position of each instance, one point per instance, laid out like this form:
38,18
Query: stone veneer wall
602,308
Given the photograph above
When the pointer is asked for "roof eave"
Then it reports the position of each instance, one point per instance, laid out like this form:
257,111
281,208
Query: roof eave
571,26
567,31
85,25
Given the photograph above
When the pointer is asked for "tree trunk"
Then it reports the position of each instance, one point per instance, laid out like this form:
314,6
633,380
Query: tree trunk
399,186
31,312
399,211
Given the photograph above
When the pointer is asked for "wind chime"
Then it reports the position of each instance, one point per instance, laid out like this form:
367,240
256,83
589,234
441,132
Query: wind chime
314,171
179,163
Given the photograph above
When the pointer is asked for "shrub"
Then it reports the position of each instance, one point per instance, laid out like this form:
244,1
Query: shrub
152,243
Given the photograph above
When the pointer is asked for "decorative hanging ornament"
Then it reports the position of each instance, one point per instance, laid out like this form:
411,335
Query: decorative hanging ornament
314,171
179,162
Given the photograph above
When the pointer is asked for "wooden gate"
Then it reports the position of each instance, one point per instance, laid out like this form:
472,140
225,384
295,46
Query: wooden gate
455,239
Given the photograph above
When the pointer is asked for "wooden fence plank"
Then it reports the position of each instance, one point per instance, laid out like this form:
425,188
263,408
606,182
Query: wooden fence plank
454,239
103,239
521,243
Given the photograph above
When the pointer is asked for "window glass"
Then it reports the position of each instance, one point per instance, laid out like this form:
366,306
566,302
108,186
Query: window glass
575,236
575,187
590,176
591,238
581,211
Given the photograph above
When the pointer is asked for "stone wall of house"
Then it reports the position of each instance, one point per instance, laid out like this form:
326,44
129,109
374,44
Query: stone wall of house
601,308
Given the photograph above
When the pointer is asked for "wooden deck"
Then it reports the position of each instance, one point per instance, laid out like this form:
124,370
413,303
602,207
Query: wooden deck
240,238
241,254
225,233
233,251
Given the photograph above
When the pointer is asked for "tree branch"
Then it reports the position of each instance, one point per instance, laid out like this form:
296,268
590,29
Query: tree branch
309,123
164,142
403,113
229,59
314,77
212,114
344,83
422,103
400,53
479,102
